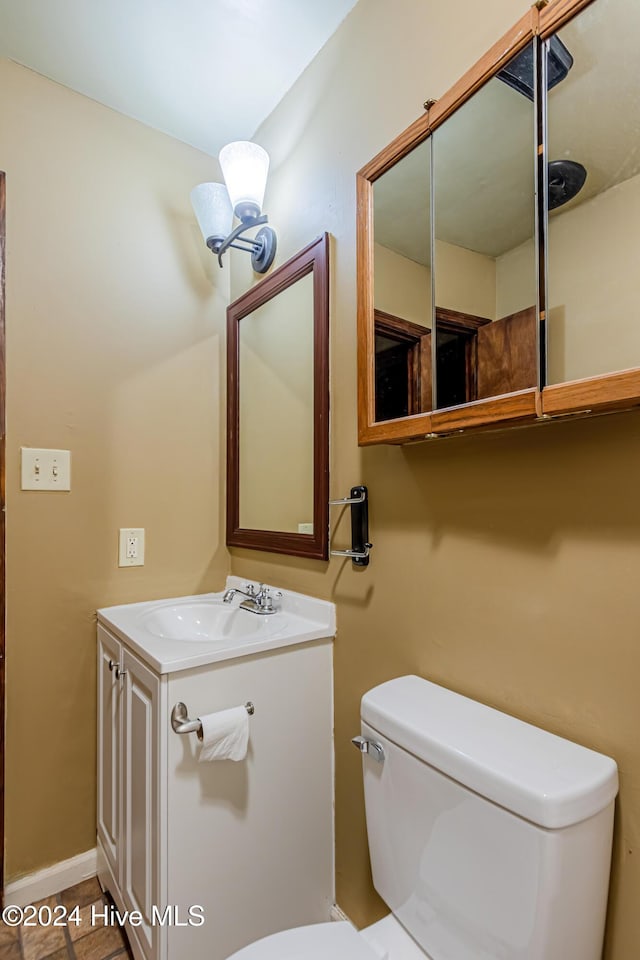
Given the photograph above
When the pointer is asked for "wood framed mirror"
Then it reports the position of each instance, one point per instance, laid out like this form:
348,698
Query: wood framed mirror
278,409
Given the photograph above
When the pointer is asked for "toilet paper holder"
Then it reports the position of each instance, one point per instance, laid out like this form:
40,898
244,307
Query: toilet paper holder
181,723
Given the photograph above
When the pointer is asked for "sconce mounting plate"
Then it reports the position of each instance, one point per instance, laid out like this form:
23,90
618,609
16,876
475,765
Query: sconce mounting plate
266,243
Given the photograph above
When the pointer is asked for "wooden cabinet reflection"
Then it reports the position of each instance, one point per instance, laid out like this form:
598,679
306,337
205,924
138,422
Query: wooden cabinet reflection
477,358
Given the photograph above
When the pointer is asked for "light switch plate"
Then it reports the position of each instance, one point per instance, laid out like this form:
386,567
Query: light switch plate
45,469
131,547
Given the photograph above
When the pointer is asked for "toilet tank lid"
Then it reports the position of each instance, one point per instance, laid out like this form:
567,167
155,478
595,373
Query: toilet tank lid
551,781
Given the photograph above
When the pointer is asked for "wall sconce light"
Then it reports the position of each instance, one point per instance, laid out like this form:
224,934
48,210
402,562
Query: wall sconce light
244,168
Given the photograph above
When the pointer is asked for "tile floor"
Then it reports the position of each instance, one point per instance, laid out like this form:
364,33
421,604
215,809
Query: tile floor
82,942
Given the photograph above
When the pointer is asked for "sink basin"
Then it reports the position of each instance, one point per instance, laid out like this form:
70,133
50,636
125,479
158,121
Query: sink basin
206,620
186,632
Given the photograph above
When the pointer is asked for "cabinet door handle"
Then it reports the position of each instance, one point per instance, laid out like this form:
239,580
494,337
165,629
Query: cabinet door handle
115,665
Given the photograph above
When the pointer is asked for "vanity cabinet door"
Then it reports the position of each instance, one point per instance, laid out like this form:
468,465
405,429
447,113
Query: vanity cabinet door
109,732
140,883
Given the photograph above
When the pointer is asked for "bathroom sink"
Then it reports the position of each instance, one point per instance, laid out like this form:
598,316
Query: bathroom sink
206,620
186,632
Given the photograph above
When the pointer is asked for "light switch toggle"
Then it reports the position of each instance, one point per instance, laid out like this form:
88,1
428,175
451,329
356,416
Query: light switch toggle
45,469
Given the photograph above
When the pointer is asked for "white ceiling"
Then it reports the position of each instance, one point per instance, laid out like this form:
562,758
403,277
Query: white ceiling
204,71
483,168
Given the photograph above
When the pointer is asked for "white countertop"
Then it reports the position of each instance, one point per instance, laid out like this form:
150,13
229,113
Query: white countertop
214,631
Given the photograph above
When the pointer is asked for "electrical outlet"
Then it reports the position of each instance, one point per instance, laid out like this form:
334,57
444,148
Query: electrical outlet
131,547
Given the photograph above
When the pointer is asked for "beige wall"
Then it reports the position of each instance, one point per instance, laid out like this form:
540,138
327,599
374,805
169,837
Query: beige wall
402,286
276,411
594,320
115,317
465,281
516,280
504,566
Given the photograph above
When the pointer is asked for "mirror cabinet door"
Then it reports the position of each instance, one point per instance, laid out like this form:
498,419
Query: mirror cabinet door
484,258
402,287
593,119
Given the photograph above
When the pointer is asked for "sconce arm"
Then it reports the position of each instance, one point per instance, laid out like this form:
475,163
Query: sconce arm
239,230
243,243
262,248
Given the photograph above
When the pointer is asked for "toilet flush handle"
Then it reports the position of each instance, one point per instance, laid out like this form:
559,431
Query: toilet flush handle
370,747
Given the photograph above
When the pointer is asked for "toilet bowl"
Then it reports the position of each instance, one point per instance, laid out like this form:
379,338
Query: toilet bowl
384,940
490,839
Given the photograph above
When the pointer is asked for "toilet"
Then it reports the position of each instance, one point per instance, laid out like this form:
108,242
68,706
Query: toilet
490,839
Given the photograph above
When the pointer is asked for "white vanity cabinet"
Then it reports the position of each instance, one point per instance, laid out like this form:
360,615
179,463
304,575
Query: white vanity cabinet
130,768
109,655
249,842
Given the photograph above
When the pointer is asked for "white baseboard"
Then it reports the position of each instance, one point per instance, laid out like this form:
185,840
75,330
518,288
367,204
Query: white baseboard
337,914
44,883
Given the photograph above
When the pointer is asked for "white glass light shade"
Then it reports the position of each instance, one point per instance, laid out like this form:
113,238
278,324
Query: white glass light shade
244,167
212,207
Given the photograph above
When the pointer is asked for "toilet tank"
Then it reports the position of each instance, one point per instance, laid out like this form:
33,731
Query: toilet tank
490,839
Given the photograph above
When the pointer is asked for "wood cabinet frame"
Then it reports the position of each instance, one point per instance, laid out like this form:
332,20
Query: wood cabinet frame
418,340
614,391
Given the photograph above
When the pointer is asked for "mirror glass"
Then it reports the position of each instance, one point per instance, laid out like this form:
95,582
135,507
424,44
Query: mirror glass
278,409
594,199
402,286
276,412
484,250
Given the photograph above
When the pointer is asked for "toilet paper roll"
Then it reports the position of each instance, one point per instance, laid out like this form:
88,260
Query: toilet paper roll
225,735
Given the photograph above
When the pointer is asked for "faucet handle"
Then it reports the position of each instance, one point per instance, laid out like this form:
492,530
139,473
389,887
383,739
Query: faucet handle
268,597
250,589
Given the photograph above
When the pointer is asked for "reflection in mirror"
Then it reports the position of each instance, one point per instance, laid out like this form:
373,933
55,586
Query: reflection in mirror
276,412
402,294
484,253
594,237
278,409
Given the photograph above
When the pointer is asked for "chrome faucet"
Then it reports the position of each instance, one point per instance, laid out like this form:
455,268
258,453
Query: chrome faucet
258,601
250,592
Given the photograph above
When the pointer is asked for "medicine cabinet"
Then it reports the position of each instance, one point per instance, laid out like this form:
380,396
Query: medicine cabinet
498,237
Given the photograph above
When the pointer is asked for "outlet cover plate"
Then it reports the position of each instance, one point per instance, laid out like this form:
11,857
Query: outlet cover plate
131,547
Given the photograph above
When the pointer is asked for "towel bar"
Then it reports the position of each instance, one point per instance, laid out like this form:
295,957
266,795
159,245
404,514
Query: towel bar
181,723
358,500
